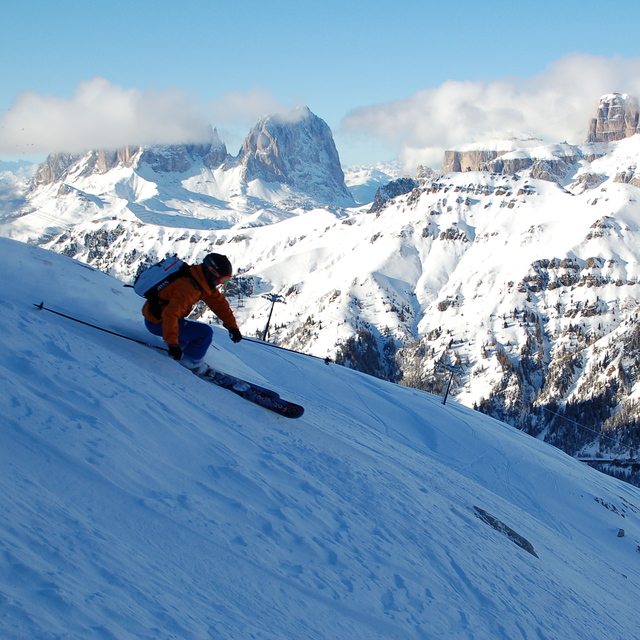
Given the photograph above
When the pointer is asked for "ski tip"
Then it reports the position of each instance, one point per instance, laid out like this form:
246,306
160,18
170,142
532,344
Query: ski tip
293,411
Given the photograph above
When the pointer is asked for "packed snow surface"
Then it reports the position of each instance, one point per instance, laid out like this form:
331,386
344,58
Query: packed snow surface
142,502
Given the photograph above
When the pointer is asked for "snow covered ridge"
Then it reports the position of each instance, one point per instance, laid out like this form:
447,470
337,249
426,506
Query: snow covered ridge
142,502
292,162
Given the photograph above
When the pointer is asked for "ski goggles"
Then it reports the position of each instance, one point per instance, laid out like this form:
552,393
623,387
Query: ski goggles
217,277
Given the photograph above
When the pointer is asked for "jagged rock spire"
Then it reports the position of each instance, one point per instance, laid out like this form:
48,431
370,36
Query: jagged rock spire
616,118
295,149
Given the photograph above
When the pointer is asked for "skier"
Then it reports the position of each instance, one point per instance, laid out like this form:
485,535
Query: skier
165,313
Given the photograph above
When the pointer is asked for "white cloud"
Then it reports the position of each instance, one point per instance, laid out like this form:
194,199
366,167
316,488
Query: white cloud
555,105
100,115
238,108
235,112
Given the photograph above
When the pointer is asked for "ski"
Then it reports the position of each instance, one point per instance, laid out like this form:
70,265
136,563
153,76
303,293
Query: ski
266,398
261,396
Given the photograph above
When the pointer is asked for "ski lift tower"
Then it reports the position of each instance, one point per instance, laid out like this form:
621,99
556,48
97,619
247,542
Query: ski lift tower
453,371
273,298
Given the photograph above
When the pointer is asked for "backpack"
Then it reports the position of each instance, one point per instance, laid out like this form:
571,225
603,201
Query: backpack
152,280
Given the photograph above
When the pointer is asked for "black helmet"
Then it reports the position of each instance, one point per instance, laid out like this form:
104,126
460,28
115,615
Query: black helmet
217,268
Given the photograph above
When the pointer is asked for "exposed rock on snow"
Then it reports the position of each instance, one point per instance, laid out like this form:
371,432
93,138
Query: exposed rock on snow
501,527
392,190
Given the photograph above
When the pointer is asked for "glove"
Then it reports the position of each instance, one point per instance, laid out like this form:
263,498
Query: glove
175,351
235,335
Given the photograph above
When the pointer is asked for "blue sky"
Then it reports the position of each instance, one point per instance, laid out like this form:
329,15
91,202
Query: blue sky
383,75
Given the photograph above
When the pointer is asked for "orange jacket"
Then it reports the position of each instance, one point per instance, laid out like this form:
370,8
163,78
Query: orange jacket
177,300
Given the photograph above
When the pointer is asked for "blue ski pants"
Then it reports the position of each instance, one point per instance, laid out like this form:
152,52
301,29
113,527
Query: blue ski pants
195,337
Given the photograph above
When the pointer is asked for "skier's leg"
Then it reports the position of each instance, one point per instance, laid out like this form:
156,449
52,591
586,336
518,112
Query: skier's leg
153,327
195,338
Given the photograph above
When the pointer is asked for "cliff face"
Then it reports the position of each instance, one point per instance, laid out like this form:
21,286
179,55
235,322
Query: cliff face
616,118
176,158
552,168
296,150
469,160
54,168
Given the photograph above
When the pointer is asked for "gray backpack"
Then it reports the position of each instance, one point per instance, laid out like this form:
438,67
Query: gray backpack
152,280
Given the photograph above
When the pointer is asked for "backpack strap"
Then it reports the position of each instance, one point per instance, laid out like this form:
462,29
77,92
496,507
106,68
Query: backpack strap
156,302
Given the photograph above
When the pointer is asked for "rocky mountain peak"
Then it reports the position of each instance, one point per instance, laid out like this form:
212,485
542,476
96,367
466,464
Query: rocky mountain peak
616,118
179,158
54,168
161,158
297,150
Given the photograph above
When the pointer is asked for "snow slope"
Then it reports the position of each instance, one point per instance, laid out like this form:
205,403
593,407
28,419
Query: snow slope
142,502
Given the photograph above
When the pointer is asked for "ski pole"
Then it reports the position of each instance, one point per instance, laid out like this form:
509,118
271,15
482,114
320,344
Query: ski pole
93,326
326,360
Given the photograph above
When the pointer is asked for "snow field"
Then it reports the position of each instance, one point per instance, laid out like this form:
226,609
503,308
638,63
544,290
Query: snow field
142,502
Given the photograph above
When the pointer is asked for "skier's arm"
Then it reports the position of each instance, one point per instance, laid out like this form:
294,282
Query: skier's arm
220,306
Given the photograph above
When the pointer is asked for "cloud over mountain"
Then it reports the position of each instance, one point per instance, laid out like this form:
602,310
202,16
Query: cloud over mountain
101,115
555,104
245,107
234,111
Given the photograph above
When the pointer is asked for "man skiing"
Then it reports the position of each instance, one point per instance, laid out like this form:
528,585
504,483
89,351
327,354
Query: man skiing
165,313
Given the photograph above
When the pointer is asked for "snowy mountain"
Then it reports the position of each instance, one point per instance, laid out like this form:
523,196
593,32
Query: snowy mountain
286,164
518,268
363,181
14,182
18,167
141,502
